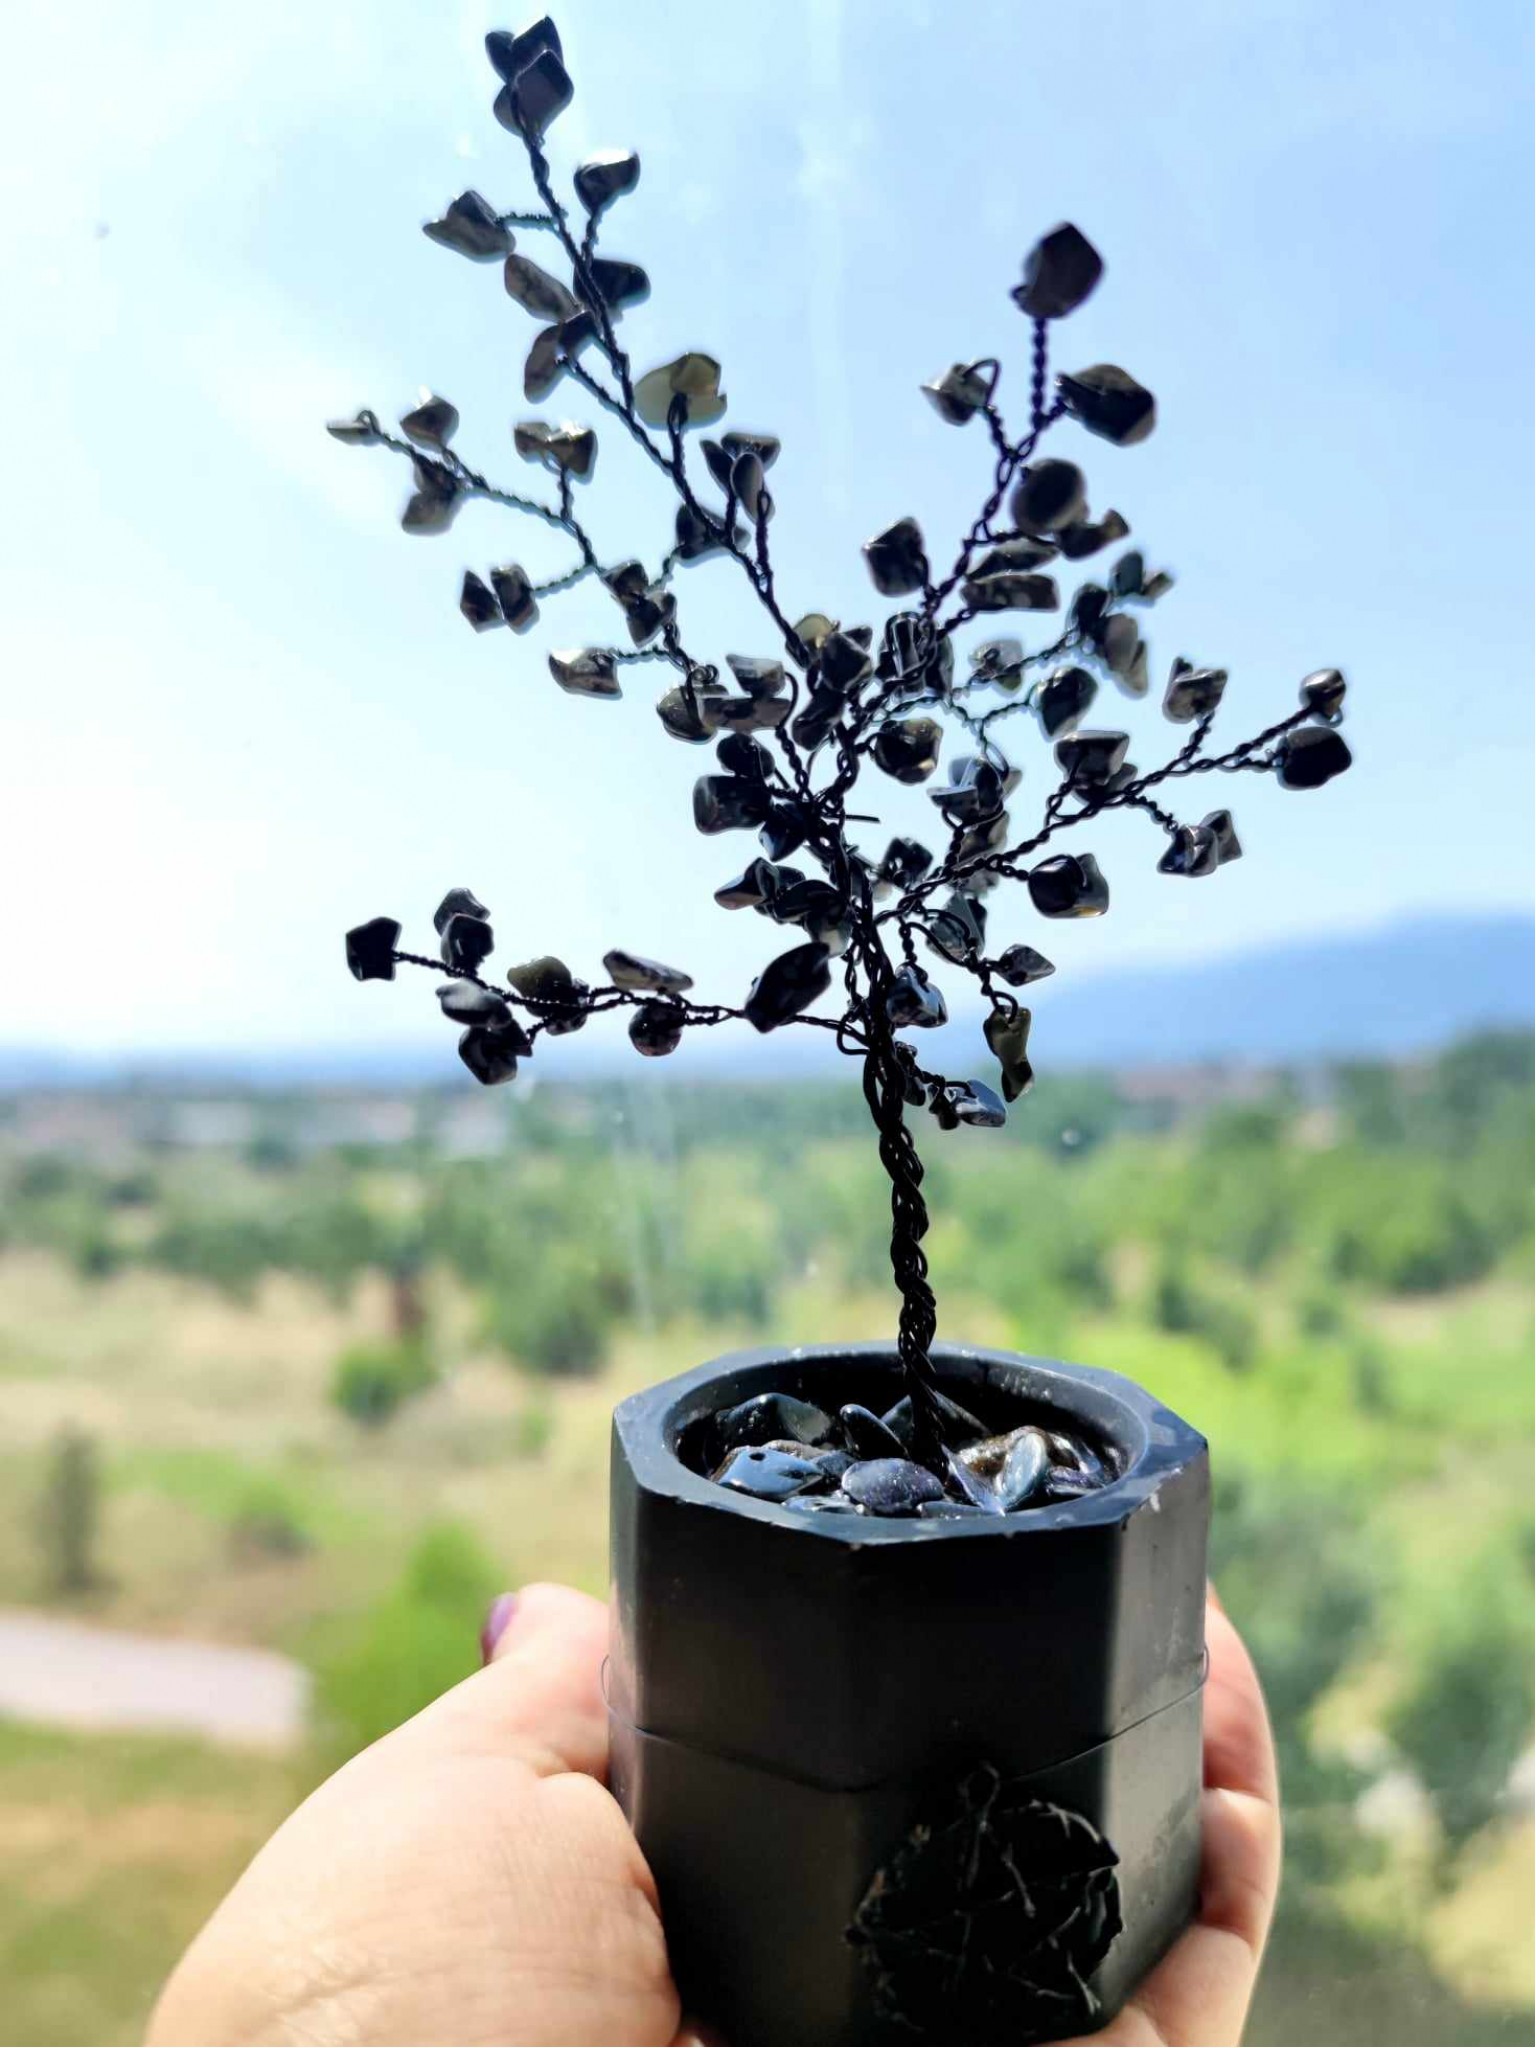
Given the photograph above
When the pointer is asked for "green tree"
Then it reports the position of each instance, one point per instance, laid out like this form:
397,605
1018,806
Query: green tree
69,1515
412,1645
1464,1716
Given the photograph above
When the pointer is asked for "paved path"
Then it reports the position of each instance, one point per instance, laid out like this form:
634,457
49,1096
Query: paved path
70,1674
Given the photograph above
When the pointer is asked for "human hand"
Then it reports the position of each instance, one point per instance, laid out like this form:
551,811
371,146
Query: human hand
468,1879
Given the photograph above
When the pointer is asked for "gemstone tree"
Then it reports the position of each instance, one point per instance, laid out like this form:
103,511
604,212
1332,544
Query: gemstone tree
795,726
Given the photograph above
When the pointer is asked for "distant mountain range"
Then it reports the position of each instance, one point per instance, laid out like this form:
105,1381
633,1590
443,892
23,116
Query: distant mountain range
1403,988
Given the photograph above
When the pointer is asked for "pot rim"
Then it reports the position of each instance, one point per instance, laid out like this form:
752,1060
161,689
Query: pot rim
1151,1442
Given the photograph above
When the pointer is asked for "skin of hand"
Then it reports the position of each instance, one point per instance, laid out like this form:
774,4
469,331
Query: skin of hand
470,1880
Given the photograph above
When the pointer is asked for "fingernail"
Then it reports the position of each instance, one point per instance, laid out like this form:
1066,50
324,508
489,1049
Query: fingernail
495,1625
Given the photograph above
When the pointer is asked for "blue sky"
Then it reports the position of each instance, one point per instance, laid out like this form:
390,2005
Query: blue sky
245,712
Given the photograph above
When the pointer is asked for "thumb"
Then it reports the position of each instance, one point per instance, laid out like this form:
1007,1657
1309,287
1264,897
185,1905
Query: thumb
540,1696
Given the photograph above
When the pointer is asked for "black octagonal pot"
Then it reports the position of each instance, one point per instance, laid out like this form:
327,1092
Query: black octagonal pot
899,1779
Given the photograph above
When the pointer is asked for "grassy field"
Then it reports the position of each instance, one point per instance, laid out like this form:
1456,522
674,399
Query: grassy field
1372,1444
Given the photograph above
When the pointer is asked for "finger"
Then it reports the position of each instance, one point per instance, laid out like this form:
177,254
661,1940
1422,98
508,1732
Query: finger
540,1698
1239,1747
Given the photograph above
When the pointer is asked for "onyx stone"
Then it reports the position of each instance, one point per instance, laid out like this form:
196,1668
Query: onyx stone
433,505
729,803
1191,851
804,899
362,431
953,1424
1063,699
698,535
1011,591
1089,602
1109,402
816,717
896,560
767,1474
554,348
532,99
973,793
601,179
767,1417
914,657
649,613
1020,551
1091,758
491,1056
432,424
1219,825
371,949
1193,692
980,839
1322,692
1117,638
557,994
634,971
1059,273
1310,756
904,863
788,985
754,714
1006,1031
866,1435
627,582
749,486
536,291
843,661
1069,885
478,603
466,1002
783,830
958,931
742,755
685,391
907,748
890,1486
959,394
757,677
471,227
912,1001
1049,494
510,54
466,940
457,902
514,594
566,447
691,711
1020,965
586,671
617,283
1085,537
999,661
655,1029
753,889
967,1102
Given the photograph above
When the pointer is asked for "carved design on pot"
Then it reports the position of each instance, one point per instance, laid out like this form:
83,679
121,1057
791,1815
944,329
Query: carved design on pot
988,1920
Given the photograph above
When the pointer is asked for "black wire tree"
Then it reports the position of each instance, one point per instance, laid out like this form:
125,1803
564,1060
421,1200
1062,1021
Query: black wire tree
795,731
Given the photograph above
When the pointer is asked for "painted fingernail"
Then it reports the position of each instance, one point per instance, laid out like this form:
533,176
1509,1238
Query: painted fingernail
495,1625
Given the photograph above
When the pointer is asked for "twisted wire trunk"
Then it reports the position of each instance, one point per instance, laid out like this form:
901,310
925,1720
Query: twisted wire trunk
885,1091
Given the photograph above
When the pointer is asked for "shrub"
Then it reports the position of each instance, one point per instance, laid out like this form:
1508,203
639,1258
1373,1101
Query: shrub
419,1640
372,1381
